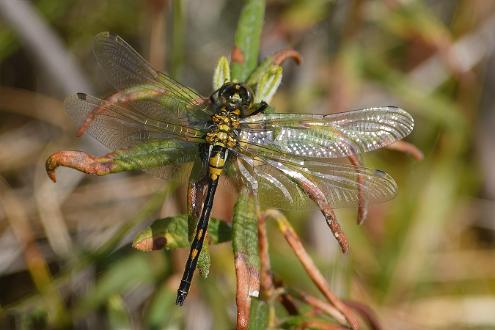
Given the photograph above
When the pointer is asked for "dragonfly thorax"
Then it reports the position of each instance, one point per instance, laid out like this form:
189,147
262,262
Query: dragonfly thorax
222,131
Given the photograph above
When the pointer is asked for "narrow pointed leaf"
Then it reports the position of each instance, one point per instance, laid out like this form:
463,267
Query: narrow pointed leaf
245,245
247,39
260,70
268,84
258,319
204,259
245,230
222,73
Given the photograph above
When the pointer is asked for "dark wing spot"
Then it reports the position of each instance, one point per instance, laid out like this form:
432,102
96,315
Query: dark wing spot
380,173
82,96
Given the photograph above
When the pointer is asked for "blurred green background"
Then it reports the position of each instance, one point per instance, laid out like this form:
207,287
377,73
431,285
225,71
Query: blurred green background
424,260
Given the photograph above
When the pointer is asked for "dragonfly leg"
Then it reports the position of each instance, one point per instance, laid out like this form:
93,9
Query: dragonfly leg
262,106
139,92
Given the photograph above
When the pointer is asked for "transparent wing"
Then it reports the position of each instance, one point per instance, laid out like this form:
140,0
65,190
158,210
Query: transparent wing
275,183
287,136
118,127
127,70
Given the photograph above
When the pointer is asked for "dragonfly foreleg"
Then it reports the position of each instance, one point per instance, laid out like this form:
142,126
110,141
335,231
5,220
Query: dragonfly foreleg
260,108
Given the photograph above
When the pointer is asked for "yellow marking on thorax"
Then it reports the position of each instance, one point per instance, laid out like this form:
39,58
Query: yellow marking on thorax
222,134
224,128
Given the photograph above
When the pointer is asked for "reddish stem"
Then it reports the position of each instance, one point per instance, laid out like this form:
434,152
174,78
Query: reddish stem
308,264
282,55
243,300
407,148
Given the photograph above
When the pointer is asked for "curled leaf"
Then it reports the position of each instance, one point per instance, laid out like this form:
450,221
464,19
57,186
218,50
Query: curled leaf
139,157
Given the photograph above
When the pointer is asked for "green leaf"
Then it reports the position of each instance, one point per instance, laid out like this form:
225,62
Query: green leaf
258,315
245,230
163,300
268,84
245,245
260,70
204,261
222,73
149,155
171,233
124,274
118,316
247,39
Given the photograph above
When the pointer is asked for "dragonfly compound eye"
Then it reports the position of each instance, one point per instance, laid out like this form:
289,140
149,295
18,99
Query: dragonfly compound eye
235,96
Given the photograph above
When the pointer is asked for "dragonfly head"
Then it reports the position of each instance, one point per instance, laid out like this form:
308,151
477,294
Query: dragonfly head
235,96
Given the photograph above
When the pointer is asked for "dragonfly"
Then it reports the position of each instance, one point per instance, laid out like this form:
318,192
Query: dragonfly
285,160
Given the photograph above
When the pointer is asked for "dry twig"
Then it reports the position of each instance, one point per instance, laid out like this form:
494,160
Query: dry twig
320,305
366,313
